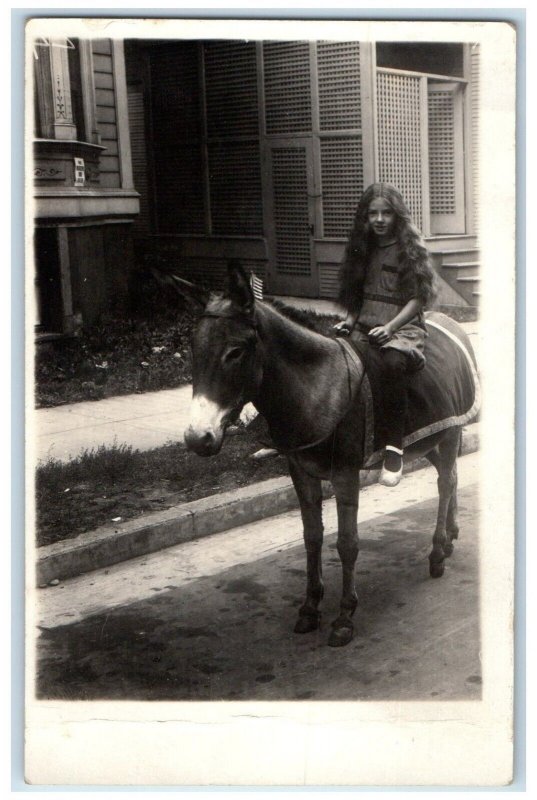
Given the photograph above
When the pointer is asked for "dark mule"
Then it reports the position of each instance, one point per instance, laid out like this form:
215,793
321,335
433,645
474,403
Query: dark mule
305,385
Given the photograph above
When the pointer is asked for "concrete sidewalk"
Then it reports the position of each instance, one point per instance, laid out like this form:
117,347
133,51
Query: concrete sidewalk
142,421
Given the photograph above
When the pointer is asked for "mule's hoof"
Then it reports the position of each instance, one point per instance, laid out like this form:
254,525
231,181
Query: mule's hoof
339,637
448,549
436,570
308,622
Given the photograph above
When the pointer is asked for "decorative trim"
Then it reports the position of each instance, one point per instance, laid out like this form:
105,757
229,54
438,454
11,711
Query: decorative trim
92,173
59,100
48,173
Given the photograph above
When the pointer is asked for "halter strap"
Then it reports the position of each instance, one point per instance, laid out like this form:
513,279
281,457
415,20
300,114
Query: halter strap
224,315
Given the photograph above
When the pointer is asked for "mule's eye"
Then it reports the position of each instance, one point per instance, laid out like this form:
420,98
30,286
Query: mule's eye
232,355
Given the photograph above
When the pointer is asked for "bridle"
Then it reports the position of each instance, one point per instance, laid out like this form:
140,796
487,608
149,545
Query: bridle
241,318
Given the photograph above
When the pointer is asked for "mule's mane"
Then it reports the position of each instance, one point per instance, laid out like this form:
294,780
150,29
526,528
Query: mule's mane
312,320
288,327
299,323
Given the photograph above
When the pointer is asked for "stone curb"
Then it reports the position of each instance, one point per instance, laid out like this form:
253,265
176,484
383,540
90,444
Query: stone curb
114,543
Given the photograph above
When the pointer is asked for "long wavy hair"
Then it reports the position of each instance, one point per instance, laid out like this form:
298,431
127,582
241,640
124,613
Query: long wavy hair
413,256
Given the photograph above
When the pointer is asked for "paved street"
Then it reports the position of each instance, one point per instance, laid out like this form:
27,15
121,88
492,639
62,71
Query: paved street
213,619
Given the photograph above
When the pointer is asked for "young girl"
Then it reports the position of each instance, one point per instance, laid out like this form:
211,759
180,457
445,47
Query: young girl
386,282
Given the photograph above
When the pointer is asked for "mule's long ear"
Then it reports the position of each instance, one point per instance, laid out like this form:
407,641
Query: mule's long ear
194,294
240,291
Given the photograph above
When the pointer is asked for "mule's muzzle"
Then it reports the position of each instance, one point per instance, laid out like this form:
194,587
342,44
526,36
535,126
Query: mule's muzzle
204,443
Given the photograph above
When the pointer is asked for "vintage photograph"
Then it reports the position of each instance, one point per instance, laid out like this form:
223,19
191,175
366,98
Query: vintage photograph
258,295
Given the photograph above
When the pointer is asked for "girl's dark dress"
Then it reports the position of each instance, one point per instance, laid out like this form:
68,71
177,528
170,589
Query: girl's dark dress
387,288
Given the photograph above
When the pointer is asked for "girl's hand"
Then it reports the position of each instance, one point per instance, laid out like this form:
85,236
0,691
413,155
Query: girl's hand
342,328
380,335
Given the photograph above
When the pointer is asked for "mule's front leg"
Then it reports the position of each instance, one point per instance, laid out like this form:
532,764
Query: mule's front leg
346,490
310,498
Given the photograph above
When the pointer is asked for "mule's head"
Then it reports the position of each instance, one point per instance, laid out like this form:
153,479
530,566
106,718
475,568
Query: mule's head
223,363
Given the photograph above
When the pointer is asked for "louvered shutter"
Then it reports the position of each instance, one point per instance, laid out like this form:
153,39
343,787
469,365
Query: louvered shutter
342,183
235,188
287,87
291,214
474,103
139,156
234,161
176,135
231,89
446,158
399,137
338,67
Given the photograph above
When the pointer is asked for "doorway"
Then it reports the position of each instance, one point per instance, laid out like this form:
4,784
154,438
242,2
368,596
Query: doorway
290,196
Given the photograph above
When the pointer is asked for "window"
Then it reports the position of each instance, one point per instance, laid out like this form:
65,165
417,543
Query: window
206,138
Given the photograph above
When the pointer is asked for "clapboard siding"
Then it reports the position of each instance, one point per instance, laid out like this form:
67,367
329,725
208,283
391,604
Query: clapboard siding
104,80
111,147
108,180
109,163
105,97
108,132
102,46
105,112
102,63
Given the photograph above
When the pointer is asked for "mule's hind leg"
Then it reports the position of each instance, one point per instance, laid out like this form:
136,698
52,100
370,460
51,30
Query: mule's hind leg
445,461
452,519
310,498
346,489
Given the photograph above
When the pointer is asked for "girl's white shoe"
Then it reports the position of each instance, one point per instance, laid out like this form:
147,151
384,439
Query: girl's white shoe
387,476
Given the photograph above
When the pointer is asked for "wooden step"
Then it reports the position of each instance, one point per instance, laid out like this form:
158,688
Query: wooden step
460,265
466,269
458,256
466,285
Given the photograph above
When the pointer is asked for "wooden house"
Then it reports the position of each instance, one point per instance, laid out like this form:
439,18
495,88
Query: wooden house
198,151
260,150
